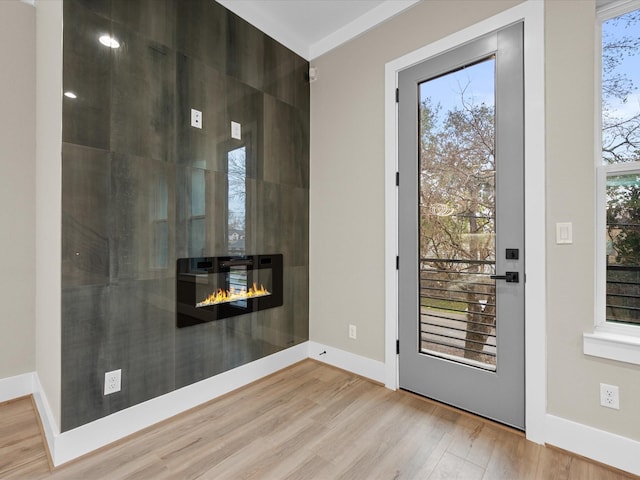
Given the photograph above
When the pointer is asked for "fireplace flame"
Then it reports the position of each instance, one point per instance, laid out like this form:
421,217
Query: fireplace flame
233,295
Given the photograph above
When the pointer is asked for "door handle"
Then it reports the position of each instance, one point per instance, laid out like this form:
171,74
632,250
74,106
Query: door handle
510,277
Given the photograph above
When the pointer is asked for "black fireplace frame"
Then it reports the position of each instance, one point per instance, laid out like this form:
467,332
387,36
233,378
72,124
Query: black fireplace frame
189,270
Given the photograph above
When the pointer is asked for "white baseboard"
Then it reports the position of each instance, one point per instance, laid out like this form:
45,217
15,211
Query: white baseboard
82,440
604,447
351,362
49,425
16,387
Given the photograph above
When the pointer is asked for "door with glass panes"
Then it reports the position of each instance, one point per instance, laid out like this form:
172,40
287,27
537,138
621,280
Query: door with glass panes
461,227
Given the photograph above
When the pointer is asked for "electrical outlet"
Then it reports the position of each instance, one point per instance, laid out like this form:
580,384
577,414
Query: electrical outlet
112,381
352,331
609,396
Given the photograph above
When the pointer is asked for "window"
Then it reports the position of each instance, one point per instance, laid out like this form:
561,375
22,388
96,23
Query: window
618,186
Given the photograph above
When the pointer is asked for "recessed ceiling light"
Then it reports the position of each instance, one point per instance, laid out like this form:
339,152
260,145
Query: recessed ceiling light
109,41
70,95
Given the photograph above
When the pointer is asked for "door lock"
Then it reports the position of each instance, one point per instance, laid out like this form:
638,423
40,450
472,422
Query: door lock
512,254
509,277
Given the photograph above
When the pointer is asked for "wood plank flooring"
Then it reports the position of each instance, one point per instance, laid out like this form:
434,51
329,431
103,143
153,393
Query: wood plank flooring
310,421
22,451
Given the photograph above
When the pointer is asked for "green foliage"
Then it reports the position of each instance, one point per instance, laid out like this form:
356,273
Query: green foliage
623,223
443,305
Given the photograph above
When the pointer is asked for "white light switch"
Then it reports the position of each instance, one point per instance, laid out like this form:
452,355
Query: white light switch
196,118
236,130
564,233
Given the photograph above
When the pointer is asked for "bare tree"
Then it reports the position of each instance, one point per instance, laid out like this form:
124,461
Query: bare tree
457,204
620,130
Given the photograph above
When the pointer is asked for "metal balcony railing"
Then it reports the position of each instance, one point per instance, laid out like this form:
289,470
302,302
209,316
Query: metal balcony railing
457,310
623,294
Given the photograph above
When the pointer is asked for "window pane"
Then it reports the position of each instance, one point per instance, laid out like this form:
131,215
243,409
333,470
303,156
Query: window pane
620,94
623,248
457,317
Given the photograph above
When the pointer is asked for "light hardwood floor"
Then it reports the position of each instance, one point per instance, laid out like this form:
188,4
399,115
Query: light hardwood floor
309,421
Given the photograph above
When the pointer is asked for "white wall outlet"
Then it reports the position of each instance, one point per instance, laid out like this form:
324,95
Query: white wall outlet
112,381
236,130
609,396
352,331
196,118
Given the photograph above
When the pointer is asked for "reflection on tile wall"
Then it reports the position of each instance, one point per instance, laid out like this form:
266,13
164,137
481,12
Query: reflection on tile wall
141,188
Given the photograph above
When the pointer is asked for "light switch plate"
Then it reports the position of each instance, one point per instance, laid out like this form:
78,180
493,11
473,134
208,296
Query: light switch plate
564,233
236,130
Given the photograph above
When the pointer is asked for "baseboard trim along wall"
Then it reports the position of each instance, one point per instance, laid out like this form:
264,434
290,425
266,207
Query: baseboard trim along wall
604,447
17,386
365,367
87,438
47,419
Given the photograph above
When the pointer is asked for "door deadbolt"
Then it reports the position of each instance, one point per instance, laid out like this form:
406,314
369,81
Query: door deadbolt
512,254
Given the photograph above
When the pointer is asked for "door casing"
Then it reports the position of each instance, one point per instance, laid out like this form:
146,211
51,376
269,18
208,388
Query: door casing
532,13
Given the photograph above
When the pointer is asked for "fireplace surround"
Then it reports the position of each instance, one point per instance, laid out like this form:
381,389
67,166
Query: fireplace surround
146,188
213,288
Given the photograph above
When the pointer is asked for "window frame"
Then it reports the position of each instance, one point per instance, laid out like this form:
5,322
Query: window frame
610,340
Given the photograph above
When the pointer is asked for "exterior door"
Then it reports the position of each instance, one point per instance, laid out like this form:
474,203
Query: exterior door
461,227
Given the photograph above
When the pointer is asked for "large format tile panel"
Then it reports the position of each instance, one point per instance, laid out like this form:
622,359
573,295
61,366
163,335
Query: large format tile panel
86,254
286,144
245,52
202,88
152,19
143,83
87,74
141,188
202,31
142,203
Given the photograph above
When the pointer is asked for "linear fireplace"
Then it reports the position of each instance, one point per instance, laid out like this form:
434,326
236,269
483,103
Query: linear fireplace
213,288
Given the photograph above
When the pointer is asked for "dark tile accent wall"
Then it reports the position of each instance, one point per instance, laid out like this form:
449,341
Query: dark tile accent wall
141,188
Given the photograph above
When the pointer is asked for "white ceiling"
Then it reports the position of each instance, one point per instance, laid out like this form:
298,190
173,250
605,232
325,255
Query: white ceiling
313,27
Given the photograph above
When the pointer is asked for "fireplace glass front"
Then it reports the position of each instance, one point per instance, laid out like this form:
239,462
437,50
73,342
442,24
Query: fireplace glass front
213,288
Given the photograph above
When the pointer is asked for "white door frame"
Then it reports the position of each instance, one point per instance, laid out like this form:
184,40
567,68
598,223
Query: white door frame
532,13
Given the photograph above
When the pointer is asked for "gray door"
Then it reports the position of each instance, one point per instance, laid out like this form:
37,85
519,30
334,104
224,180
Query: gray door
461,227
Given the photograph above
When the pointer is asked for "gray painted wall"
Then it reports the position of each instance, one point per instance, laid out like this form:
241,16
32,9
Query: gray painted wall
141,188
